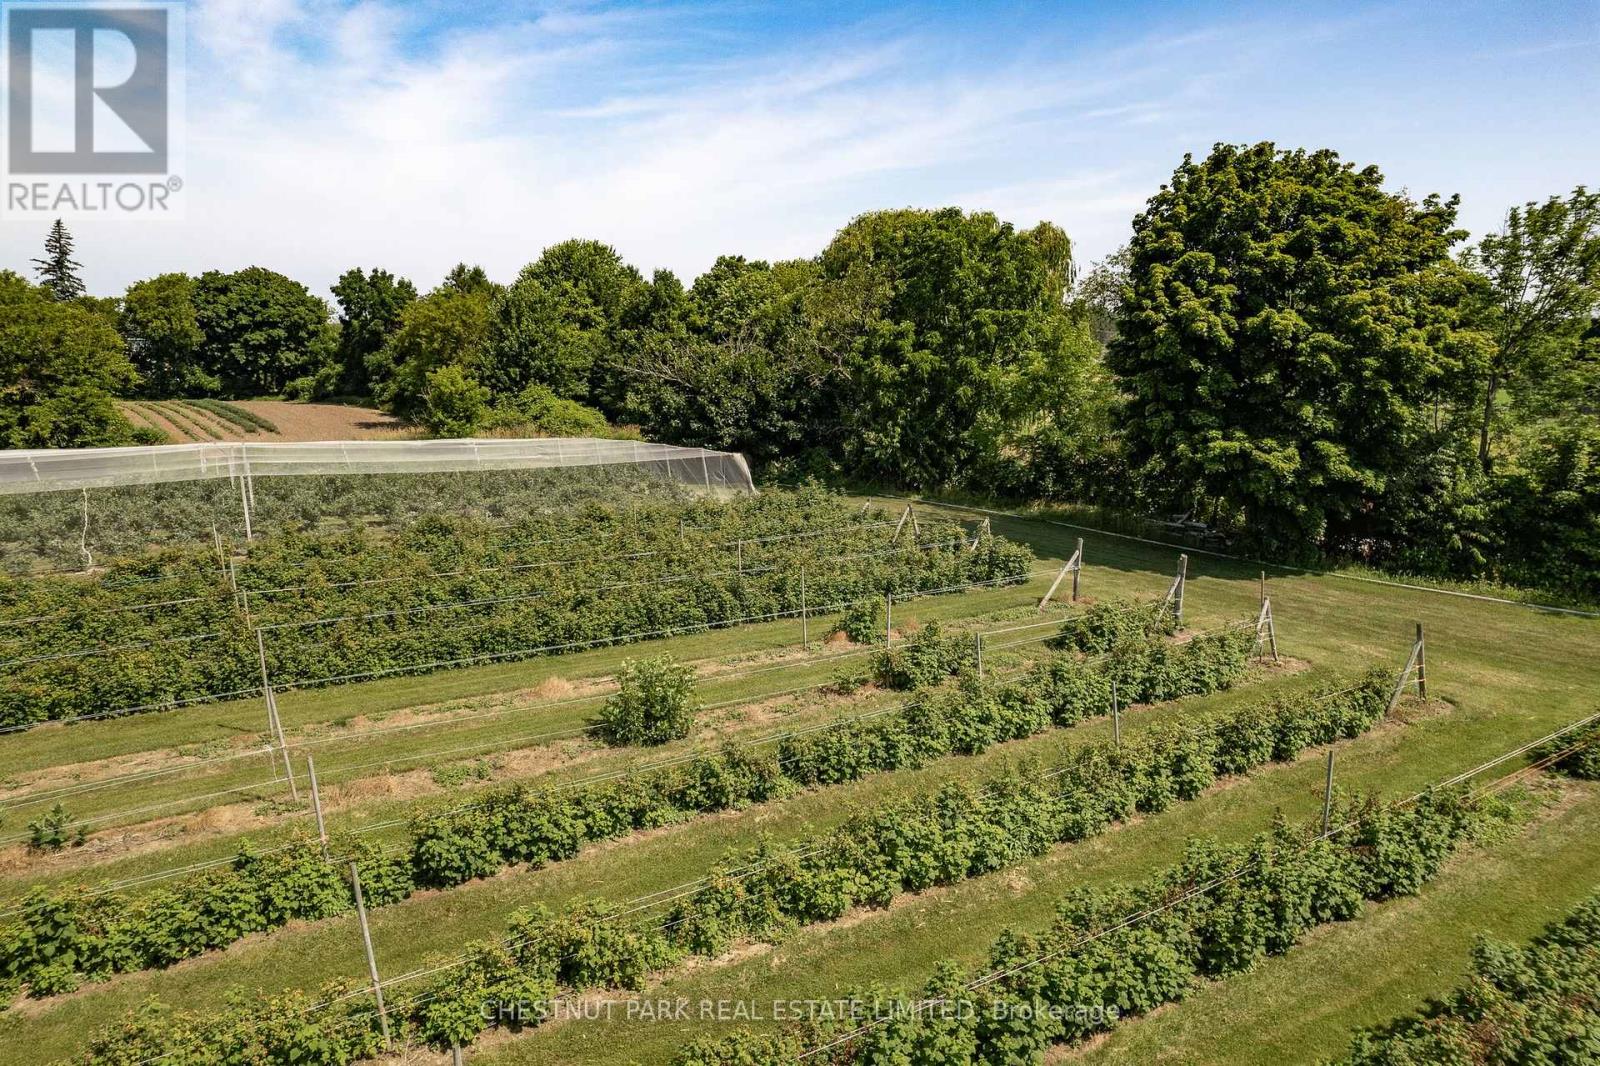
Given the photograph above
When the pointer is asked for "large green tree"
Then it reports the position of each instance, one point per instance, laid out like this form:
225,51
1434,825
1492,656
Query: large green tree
370,305
953,334
1287,328
558,324
58,271
261,330
448,327
1543,294
60,367
163,338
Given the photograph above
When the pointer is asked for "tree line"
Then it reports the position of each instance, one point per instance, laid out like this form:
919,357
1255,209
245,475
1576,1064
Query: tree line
1311,364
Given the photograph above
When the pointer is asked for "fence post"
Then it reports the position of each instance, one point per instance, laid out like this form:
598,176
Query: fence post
741,557
888,620
1405,673
1077,570
1327,797
316,805
977,643
1422,663
1116,718
1183,580
366,942
274,724
805,617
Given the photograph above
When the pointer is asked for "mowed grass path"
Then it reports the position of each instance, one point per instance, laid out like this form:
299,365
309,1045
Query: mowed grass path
1511,672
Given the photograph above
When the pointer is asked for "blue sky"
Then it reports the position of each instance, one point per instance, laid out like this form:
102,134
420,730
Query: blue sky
325,134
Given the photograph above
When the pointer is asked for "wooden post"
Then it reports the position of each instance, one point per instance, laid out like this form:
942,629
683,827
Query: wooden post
273,722
1077,570
455,1055
888,619
1263,586
316,805
1116,718
1422,663
741,558
977,643
244,500
1327,797
366,942
977,537
916,527
1405,672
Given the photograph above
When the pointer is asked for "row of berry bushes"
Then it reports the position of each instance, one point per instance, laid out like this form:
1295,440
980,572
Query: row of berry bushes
1115,953
959,832
1534,1004
64,938
455,591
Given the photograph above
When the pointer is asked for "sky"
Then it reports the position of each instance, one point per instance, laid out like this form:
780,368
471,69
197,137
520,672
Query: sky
323,134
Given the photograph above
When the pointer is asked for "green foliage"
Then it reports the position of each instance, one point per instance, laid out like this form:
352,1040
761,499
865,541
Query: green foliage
58,271
1577,754
163,338
1537,1003
454,404
927,658
1105,625
1287,327
862,621
260,330
60,365
53,831
537,411
654,703
1216,913
447,327
370,308
246,420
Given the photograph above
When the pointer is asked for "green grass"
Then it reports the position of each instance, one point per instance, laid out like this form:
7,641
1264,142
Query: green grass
1510,673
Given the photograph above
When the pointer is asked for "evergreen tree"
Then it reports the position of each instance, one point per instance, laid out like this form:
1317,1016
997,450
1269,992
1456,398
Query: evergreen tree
58,271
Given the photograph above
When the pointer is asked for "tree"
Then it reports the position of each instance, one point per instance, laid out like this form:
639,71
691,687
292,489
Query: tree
261,330
60,366
446,327
57,271
948,327
162,335
1543,271
1286,326
557,325
369,312
468,279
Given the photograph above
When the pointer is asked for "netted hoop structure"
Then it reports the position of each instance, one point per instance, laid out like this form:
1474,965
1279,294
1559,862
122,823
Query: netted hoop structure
54,469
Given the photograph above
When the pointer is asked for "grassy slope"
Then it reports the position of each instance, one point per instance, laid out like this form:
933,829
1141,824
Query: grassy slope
1512,673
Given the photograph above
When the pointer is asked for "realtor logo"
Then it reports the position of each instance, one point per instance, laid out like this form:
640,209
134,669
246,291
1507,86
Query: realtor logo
92,90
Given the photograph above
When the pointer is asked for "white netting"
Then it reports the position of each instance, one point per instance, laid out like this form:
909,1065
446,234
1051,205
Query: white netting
46,470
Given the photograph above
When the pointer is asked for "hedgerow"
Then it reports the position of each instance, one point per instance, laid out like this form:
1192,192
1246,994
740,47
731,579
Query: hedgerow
616,576
1218,912
1104,625
64,938
961,831
1538,1003
926,658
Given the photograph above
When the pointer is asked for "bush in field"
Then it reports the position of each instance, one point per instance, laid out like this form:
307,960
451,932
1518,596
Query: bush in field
862,621
1583,760
654,704
49,832
926,659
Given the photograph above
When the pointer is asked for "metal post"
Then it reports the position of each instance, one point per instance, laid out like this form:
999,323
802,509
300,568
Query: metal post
977,643
1327,797
273,722
888,619
1116,718
1183,579
316,805
366,942
1422,663
1077,570
805,617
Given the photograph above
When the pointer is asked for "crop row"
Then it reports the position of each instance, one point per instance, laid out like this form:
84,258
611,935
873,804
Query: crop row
95,656
64,938
959,832
1538,1003
1116,953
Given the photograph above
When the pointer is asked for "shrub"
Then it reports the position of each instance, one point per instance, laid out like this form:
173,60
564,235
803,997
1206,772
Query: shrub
454,404
51,832
653,704
862,621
